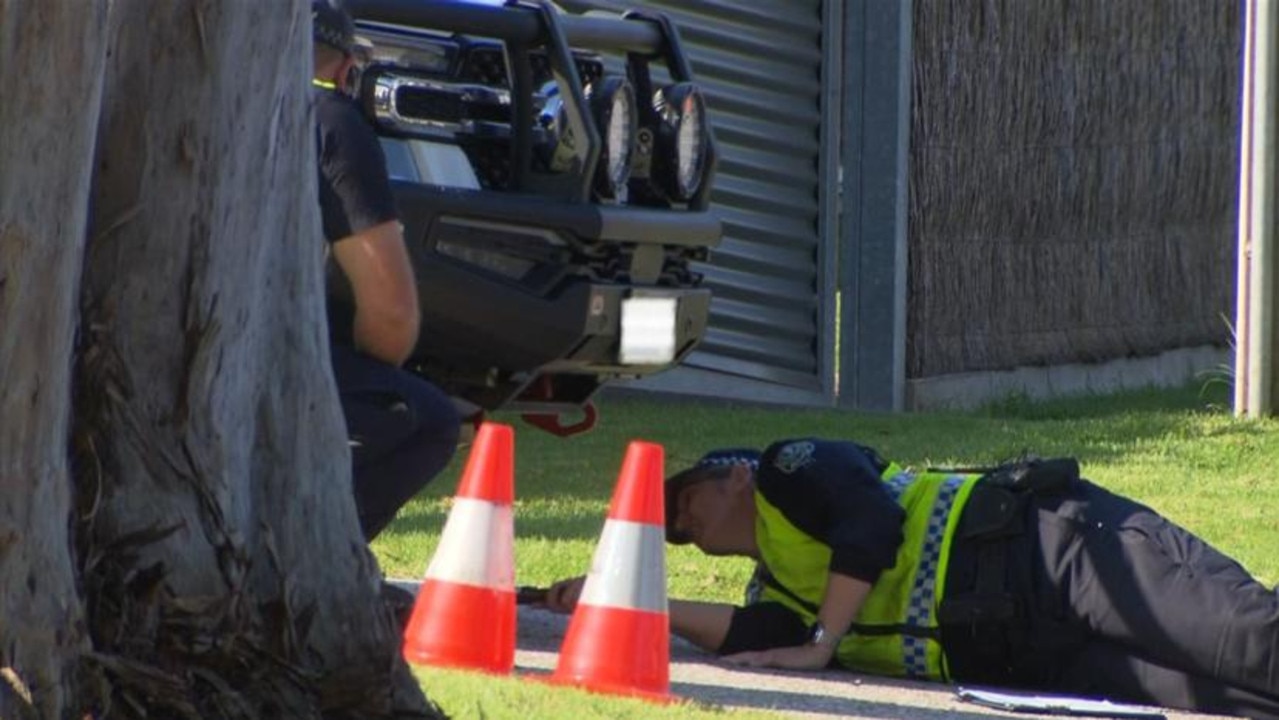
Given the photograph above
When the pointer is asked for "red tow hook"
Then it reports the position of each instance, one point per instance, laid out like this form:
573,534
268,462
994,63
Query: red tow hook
552,423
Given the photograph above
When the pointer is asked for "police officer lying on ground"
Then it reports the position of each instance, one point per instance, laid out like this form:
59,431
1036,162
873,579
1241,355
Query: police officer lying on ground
1027,576
403,429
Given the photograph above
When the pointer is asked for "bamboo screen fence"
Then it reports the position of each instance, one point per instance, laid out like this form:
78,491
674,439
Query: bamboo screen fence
1073,174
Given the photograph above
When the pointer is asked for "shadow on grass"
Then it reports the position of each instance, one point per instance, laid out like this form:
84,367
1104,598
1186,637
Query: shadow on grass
1195,397
1094,429
577,523
585,468
562,484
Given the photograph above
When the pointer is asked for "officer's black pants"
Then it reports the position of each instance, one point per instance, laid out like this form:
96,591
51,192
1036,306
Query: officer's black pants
403,432
1117,601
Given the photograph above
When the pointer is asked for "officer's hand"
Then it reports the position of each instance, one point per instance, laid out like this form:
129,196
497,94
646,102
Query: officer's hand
797,657
562,596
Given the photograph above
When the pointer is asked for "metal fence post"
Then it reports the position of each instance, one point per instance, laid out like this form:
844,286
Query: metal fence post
872,237
1255,352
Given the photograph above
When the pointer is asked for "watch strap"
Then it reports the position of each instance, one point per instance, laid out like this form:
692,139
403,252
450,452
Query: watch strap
819,635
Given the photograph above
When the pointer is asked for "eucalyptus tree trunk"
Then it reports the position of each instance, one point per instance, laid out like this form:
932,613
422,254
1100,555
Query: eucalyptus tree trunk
157,174
48,120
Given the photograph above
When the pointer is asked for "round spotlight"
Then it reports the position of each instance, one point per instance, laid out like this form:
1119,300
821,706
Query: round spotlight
681,139
613,105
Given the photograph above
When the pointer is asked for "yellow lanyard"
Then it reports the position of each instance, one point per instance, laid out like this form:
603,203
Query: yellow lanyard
327,85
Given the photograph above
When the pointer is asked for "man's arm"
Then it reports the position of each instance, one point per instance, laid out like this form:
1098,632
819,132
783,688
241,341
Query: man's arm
376,263
843,599
704,624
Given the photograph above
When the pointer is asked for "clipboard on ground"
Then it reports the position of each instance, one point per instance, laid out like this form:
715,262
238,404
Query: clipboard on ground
1055,704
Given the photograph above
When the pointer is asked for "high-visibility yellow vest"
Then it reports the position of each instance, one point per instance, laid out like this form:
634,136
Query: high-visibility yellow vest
895,632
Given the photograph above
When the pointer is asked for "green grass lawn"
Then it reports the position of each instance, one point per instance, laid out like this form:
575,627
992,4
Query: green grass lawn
1181,452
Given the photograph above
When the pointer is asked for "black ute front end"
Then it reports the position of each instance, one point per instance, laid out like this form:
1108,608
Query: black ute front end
559,258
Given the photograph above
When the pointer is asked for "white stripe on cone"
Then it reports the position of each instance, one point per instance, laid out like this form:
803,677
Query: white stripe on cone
614,580
474,525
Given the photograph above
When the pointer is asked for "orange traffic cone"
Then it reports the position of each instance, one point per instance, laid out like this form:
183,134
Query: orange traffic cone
464,615
617,639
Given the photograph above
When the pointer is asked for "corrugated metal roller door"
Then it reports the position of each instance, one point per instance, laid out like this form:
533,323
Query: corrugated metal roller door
760,65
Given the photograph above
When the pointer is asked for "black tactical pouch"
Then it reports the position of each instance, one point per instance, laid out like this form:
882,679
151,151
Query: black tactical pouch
982,624
982,611
1037,476
993,512
992,515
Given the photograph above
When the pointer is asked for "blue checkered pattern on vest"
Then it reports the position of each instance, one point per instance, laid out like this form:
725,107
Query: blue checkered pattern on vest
922,593
898,483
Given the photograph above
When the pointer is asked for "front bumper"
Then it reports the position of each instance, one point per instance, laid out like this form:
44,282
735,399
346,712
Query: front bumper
550,338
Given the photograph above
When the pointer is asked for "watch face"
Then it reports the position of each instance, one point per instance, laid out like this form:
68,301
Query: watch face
816,633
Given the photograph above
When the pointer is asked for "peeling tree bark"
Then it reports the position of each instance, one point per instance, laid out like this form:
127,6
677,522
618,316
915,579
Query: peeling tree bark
216,543
48,119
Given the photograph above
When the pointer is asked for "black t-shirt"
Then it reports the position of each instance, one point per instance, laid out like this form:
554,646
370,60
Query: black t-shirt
355,192
833,492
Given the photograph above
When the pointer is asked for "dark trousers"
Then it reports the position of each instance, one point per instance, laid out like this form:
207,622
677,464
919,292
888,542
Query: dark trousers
403,431
1114,600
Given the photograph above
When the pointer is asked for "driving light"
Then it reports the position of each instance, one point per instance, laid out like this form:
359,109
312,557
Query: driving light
511,251
613,105
681,139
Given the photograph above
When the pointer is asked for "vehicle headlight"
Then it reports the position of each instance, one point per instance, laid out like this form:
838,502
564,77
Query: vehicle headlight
681,139
613,105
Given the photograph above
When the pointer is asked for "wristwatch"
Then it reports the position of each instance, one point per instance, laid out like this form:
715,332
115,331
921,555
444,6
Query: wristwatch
818,635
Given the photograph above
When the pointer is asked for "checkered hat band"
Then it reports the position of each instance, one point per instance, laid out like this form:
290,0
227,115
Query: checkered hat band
720,461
